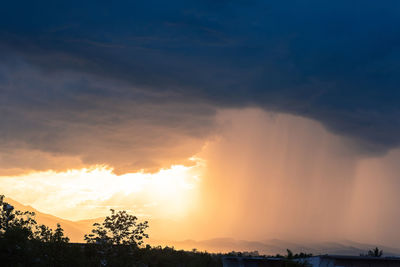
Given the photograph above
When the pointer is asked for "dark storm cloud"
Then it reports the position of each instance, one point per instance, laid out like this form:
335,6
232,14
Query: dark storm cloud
334,61
69,120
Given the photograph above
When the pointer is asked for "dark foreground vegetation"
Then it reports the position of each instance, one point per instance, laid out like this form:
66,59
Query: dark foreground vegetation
118,241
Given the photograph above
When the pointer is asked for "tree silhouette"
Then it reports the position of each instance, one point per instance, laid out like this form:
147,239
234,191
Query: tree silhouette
116,241
45,234
120,228
23,224
375,253
25,243
289,254
12,221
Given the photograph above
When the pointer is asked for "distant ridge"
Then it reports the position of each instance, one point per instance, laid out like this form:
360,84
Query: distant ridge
276,246
75,230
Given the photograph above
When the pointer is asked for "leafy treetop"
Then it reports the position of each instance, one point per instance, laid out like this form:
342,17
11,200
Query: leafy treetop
120,228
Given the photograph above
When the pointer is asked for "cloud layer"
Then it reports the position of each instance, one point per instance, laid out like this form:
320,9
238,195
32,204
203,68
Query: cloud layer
136,84
66,120
267,175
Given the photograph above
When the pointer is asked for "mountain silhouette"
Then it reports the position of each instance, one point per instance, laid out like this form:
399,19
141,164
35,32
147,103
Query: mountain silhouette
76,230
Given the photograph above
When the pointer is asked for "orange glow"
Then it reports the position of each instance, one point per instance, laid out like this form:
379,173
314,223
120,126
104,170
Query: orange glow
265,175
90,192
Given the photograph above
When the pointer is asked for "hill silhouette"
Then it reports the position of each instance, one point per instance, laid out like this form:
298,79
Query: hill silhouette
75,230
276,246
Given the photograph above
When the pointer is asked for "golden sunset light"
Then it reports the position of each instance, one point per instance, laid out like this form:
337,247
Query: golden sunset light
91,192
199,133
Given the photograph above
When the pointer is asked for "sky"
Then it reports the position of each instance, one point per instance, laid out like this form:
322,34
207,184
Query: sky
272,120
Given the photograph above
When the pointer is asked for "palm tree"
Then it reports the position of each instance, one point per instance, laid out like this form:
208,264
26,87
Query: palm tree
375,252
